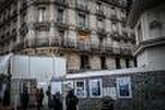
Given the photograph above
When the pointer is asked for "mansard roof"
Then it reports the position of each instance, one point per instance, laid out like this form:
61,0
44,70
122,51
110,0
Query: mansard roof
140,6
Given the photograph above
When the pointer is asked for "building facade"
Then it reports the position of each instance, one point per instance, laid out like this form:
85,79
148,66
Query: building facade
90,34
149,24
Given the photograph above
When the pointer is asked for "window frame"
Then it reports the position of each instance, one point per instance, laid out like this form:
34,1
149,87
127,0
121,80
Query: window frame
101,88
84,91
128,79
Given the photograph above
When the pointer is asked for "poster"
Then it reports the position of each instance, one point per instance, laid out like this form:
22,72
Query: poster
124,87
95,87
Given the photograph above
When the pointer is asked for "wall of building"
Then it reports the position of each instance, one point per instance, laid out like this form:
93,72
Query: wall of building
146,82
149,29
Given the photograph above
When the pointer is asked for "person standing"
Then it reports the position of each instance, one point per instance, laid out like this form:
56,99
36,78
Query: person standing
42,97
71,101
48,93
39,98
57,104
25,98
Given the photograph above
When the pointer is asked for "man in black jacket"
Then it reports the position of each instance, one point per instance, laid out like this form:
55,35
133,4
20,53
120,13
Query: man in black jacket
71,101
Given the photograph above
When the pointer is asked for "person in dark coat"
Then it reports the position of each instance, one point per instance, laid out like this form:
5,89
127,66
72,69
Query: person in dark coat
39,98
48,93
71,101
57,104
25,98
6,98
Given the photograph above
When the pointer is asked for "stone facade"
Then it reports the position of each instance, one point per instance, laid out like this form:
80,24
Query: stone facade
90,28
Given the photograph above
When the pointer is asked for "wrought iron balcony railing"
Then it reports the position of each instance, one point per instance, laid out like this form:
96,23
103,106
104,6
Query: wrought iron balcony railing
101,32
100,13
44,25
61,2
82,7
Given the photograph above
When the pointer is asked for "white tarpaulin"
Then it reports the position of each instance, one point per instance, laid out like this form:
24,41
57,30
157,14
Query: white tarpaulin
4,61
40,68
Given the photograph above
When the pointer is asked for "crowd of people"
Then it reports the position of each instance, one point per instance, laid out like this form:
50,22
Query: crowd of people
55,101
25,98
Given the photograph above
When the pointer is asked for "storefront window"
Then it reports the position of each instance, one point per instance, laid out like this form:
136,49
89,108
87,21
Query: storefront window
124,87
95,86
80,88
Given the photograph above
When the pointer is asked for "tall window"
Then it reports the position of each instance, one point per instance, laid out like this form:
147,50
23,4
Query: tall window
103,63
100,23
140,35
80,88
60,15
114,27
127,61
95,87
82,19
42,14
84,62
118,66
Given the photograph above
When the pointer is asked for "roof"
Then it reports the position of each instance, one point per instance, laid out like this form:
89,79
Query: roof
139,7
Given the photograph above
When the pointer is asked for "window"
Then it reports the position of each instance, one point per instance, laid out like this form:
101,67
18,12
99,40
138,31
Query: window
100,24
80,88
127,61
114,27
140,35
42,14
61,33
82,19
135,62
95,87
82,2
103,63
60,15
118,66
84,62
124,87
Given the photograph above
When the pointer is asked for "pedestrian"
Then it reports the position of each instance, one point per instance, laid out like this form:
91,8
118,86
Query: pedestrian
48,93
71,101
42,97
25,98
6,98
57,103
39,98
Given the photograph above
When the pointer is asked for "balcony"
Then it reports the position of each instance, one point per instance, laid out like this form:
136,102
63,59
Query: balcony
100,13
82,7
114,18
23,30
89,47
126,51
63,3
83,29
102,32
61,24
132,38
42,26
115,36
